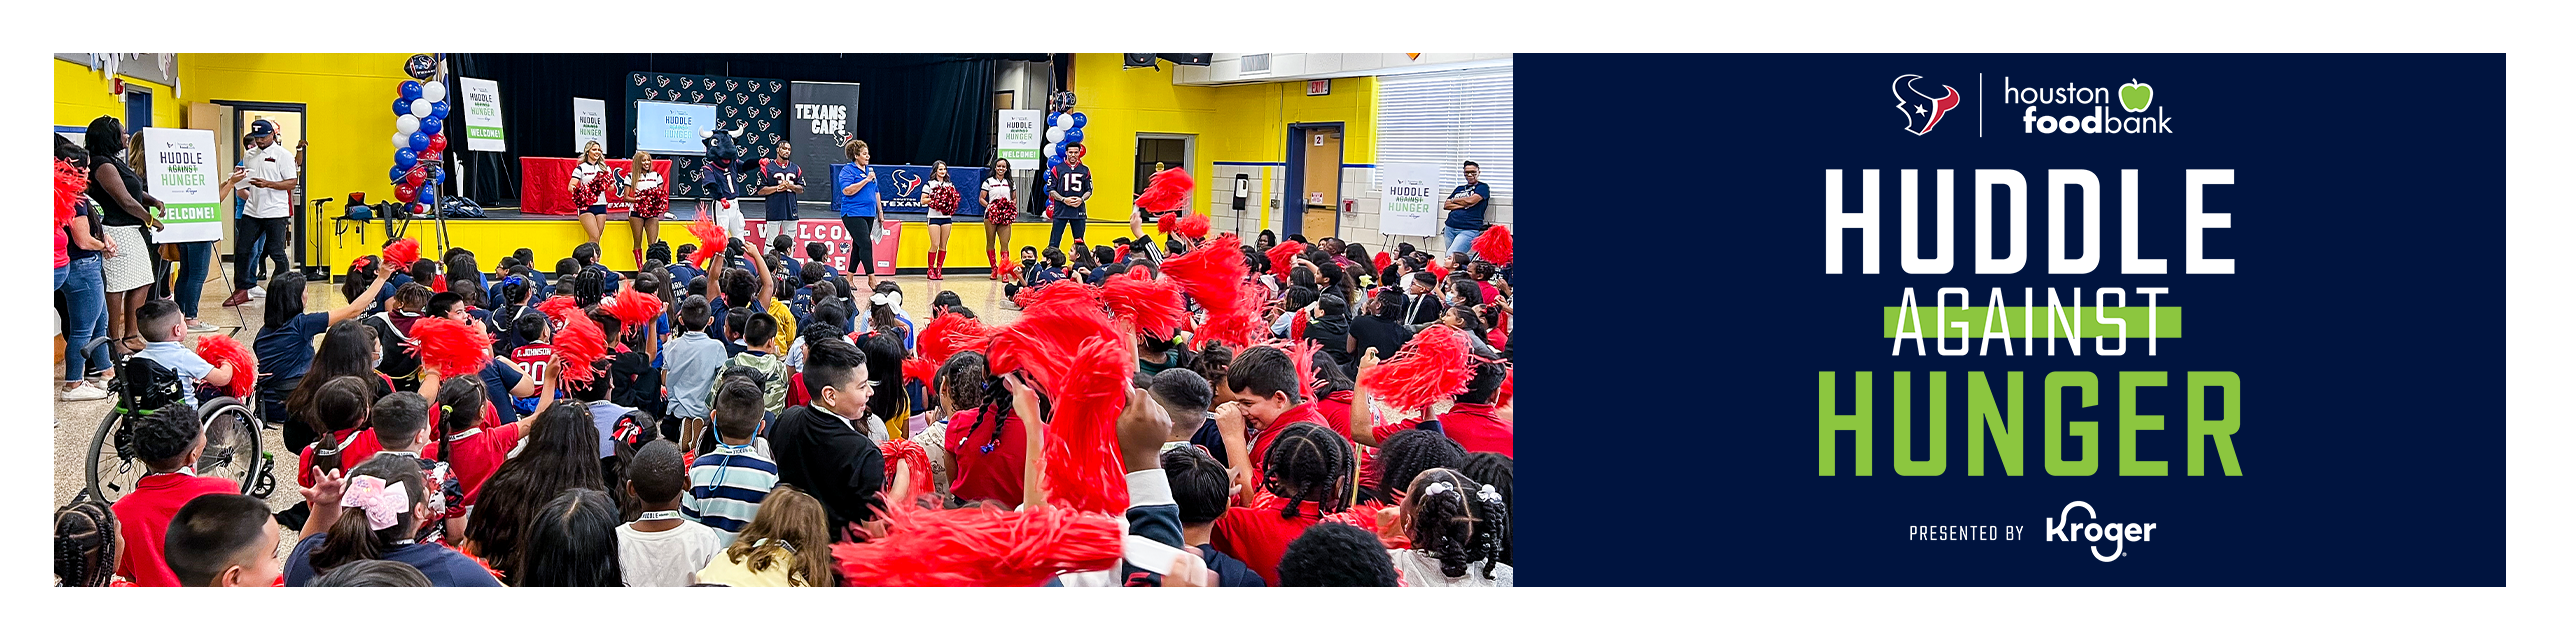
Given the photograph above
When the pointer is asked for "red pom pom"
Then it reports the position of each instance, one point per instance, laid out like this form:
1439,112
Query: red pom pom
636,309
558,308
1431,367
1439,269
1082,469
1195,225
1494,245
1039,342
1153,306
69,182
916,369
919,466
949,335
438,287
401,253
577,347
1167,190
452,348
1281,255
944,199
1214,276
1164,225
650,203
1007,268
980,547
1058,295
714,238
1381,262
219,350
1302,356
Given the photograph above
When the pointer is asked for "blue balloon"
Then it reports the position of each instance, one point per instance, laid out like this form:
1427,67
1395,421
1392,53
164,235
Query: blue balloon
1058,119
402,160
435,172
440,110
397,175
1079,118
431,126
418,142
410,89
399,107
1073,136
427,197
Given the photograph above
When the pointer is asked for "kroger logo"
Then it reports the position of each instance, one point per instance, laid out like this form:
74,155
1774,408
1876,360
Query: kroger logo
2063,529
2137,108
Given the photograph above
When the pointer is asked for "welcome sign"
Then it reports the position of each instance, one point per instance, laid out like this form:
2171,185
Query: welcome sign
177,166
2078,320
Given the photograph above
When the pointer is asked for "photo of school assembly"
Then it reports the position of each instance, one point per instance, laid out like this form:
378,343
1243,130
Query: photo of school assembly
806,320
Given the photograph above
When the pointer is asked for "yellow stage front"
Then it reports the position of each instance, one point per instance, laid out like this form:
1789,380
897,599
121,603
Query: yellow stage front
553,239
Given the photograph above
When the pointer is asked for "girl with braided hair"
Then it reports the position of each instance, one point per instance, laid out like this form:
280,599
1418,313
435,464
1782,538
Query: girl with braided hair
85,545
1493,469
1405,456
985,443
1305,473
1461,529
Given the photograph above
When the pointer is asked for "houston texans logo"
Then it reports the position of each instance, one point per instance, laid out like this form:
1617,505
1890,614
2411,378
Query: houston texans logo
638,79
685,82
753,85
663,80
733,84
764,99
1919,111
762,151
733,112
751,111
697,96
720,98
906,183
764,124
651,93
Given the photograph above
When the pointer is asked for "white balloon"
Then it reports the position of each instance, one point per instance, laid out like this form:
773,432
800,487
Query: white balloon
433,91
407,124
1057,134
422,107
400,139
1050,149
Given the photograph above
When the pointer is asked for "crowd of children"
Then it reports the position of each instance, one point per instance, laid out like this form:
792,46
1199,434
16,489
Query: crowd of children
1280,413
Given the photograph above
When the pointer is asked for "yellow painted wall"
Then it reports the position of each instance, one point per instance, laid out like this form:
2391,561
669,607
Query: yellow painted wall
1237,123
347,102
80,95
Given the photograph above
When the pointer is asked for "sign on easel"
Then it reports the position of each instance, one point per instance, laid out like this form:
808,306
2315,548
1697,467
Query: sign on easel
1411,208
179,168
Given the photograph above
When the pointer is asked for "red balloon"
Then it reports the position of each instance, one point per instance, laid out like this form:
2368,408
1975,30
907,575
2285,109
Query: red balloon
405,193
435,145
417,176
418,209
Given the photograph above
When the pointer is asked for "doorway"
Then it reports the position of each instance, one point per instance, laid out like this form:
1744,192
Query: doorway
1314,180
291,129
137,108
1159,152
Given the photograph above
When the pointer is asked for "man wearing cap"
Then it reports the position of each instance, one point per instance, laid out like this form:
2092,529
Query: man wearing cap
269,216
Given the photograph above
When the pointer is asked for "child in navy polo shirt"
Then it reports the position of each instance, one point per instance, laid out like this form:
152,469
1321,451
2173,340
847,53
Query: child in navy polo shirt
1200,489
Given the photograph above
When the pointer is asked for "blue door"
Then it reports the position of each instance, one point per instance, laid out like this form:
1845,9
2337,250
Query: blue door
137,108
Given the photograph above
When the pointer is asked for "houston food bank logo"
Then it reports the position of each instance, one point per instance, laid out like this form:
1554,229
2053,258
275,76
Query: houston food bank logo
2057,109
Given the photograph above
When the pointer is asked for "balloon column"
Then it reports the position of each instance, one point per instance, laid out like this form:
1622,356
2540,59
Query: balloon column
417,142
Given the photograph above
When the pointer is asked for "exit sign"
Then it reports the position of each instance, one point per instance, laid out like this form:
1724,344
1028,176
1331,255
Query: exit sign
1319,87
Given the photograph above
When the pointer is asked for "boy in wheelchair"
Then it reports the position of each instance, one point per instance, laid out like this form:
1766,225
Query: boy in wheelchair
164,371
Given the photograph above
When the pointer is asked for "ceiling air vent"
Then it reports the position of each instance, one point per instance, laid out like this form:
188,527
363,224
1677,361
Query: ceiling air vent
1255,63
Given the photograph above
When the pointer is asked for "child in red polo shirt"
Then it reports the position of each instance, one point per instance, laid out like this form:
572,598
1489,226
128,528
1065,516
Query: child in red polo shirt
1304,475
168,442
1267,396
473,444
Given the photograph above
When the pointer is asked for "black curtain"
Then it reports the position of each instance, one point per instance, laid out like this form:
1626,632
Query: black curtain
916,108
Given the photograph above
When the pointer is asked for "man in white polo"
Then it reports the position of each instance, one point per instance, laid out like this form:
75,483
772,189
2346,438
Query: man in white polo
270,212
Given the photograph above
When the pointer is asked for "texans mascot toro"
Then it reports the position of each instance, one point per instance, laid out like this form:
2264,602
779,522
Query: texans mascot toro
720,171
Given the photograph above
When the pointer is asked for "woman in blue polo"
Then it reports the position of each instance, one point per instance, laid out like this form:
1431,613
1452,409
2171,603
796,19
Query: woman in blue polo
858,201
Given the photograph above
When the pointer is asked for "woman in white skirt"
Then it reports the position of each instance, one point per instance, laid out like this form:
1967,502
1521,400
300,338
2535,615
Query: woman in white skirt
129,210
589,184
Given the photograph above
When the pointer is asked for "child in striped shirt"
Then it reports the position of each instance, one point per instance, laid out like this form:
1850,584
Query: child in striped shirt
730,483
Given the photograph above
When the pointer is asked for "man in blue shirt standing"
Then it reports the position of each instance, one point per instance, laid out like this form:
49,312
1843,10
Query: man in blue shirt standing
781,190
1069,185
1466,206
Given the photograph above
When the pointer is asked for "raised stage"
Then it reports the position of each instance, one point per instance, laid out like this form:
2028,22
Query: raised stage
552,237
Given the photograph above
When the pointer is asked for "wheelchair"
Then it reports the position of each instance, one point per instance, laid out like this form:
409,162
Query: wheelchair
232,433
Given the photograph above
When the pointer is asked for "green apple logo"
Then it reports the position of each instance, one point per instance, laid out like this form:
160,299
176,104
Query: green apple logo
2134,96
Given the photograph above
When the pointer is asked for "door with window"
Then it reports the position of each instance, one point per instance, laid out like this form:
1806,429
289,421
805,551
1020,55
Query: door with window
1160,152
1321,183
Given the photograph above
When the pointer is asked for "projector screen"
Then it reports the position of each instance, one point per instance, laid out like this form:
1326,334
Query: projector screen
671,128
